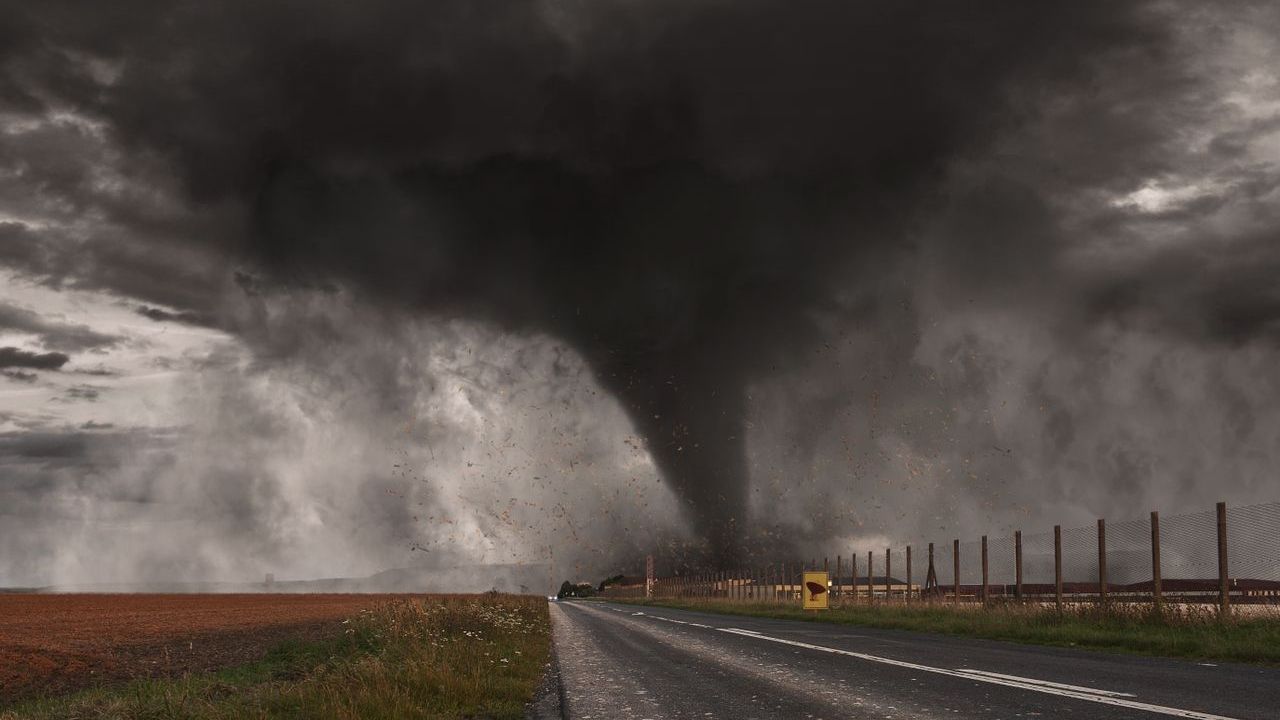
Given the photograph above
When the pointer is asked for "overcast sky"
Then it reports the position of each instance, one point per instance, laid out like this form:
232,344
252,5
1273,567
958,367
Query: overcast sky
320,289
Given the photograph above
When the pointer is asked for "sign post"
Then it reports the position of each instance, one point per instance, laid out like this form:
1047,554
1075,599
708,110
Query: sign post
648,576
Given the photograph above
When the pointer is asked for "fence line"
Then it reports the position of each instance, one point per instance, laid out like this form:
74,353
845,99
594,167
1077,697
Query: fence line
1223,556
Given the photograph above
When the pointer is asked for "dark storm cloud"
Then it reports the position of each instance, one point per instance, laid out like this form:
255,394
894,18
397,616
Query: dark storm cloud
51,333
672,188
12,357
21,248
20,376
695,195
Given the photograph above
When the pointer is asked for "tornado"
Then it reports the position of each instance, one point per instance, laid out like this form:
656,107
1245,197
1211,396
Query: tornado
677,190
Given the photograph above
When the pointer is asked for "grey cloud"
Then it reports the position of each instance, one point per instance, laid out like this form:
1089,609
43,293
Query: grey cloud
19,376
159,315
12,357
95,372
44,446
21,248
54,334
86,393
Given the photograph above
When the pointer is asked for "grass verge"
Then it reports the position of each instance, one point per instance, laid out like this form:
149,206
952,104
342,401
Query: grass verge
1182,632
433,657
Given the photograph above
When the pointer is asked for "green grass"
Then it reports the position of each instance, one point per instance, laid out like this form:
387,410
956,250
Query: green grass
442,657
1183,632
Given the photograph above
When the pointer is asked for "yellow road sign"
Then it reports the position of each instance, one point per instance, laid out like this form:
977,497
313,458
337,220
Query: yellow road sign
814,591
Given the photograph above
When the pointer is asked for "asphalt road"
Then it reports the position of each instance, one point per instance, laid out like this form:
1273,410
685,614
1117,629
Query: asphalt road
621,661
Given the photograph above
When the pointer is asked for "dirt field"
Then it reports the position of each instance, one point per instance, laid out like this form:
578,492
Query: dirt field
56,643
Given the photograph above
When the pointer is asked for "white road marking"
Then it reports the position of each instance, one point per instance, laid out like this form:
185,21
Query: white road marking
667,619
1045,683
1020,683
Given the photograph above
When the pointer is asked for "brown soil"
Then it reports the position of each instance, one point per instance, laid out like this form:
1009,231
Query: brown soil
55,643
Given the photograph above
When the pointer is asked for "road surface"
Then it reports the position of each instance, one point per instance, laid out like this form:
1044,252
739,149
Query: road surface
622,661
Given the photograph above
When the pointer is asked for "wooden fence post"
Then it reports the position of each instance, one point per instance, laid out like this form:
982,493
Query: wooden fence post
1017,564
853,582
931,578
888,588
1057,564
955,561
871,579
908,574
1224,588
986,583
1157,592
839,567
1102,561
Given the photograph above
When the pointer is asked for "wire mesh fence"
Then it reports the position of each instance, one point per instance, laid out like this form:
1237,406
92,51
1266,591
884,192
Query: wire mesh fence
1224,556
1253,542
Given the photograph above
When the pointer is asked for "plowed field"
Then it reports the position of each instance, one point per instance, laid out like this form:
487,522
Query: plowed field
55,643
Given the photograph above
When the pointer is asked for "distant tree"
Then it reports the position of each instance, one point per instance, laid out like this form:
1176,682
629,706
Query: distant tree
610,581
566,590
